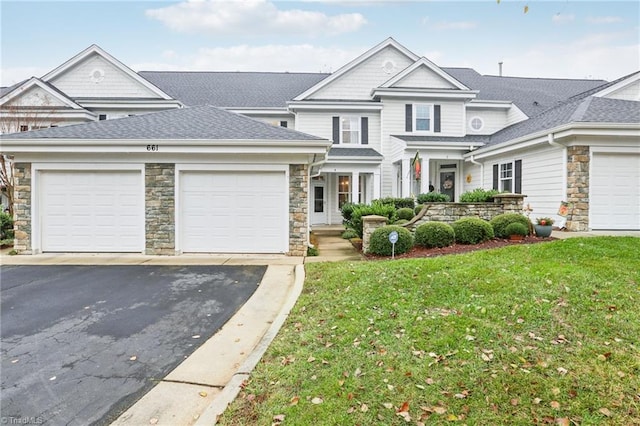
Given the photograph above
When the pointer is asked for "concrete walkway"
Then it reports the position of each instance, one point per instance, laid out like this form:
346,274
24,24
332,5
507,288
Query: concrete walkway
331,246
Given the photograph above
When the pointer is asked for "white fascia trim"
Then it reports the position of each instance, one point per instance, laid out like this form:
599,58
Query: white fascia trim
355,159
366,55
334,106
560,132
64,114
400,92
619,85
462,146
260,111
489,104
429,65
125,103
95,49
36,82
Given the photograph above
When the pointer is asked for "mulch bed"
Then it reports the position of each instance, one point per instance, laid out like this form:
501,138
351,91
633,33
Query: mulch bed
419,252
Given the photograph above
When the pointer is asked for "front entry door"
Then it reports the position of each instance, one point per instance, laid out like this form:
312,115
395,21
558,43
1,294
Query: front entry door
448,183
318,203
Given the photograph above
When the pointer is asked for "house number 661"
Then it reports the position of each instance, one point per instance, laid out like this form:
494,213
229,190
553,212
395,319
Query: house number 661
152,147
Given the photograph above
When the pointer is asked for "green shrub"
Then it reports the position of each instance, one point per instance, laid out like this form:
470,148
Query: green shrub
433,197
400,222
347,210
6,225
434,234
312,251
398,203
379,243
405,213
360,210
500,223
418,208
478,195
472,230
349,234
516,228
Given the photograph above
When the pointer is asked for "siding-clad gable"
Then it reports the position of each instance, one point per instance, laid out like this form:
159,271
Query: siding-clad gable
630,92
358,82
423,77
35,97
95,77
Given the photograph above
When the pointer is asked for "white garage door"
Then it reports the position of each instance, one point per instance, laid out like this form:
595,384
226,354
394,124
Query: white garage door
615,191
86,211
234,212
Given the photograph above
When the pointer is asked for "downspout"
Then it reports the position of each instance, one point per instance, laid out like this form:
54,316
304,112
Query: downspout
473,161
552,141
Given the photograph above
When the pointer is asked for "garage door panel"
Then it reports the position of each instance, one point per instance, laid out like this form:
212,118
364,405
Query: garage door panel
615,193
234,212
89,211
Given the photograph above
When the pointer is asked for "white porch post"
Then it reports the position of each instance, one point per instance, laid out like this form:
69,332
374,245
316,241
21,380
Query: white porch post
424,178
377,182
406,177
355,187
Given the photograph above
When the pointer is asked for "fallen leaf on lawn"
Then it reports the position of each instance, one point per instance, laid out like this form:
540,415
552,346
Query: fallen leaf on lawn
364,408
555,405
406,416
452,417
390,387
562,371
605,411
279,418
555,391
294,400
404,407
311,359
153,421
387,405
351,410
133,358
357,373
537,401
515,401
202,394
317,400
420,387
429,381
563,421
439,410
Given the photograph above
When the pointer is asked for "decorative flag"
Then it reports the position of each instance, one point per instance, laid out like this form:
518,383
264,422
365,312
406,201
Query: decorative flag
417,165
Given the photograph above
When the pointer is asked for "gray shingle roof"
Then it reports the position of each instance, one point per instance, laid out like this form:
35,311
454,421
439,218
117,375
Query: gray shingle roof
199,123
532,95
353,152
233,89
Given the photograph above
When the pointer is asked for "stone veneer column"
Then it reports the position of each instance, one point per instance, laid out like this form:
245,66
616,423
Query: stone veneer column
298,209
22,208
160,202
369,224
578,162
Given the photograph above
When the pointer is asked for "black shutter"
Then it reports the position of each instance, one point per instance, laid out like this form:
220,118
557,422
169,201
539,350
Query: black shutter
408,122
496,184
436,118
364,128
518,177
336,129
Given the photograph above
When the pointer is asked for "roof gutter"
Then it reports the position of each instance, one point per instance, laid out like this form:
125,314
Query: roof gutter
472,160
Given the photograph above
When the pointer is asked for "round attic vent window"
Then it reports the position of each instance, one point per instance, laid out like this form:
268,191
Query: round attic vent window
476,124
388,67
97,75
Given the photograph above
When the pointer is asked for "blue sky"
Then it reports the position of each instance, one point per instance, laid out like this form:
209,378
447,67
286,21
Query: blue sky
565,39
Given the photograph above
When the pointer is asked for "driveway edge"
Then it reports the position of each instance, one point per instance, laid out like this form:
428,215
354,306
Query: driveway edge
232,389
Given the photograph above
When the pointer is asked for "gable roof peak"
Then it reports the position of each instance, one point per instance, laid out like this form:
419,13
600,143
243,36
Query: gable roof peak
424,62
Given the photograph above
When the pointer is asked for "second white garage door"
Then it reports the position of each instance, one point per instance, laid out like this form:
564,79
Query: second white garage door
234,212
615,191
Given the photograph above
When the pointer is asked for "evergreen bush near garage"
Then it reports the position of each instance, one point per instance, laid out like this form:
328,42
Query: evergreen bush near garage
432,197
379,242
434,234
398,203
500,223
478,195
405,213
6,225
472,230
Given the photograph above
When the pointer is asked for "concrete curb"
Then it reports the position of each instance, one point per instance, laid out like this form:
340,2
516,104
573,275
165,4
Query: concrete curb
232,389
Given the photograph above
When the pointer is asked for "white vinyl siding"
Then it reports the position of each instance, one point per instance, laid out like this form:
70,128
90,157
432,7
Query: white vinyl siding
321,124
494,120
77,82
233,211
357,83
629,93
424,77
91,211
614,193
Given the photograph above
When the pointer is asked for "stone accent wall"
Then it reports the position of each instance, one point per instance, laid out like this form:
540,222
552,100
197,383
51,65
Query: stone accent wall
449,213
160,202
578,160
298,209
22,208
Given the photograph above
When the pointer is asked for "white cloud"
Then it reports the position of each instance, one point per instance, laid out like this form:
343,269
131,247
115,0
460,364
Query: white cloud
450,25
603,19
260,16
293,58
560,18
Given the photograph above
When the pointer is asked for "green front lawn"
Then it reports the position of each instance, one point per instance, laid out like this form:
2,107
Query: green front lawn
529,334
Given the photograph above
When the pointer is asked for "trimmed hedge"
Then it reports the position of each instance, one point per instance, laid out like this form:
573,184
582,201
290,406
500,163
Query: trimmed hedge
472,230
432,197
478,195
500,223
400,222
434,234
352,217
418,208
516,228
398,203
405,213
349,234
379,242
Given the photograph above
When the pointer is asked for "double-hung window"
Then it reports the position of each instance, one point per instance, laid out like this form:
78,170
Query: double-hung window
506,177
423,114
350,129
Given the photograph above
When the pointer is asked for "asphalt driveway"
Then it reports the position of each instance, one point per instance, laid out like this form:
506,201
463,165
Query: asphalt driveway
80,344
